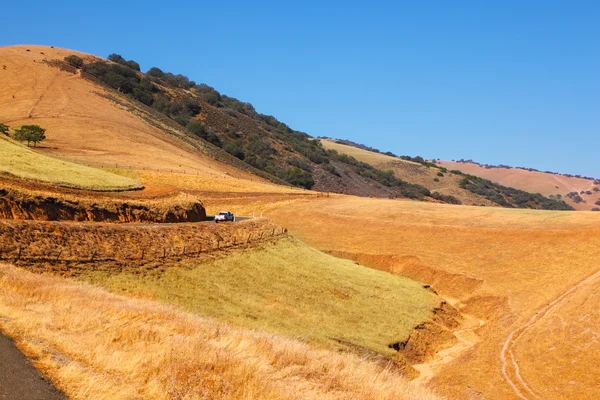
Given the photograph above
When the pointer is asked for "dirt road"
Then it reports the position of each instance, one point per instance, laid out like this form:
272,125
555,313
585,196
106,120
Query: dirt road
19,380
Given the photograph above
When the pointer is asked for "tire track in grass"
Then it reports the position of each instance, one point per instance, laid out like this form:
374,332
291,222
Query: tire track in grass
518,385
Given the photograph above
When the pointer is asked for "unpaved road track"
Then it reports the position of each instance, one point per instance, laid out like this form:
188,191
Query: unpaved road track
510,366
19,380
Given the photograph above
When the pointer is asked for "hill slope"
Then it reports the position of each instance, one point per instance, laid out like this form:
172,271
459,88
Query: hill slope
546,183
449,183
90,124
410,171
22,162
107,113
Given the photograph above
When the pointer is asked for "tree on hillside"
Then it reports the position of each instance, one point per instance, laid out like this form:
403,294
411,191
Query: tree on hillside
4,129
29,134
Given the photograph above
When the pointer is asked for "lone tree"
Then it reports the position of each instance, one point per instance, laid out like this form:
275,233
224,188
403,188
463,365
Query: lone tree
29,134
4,129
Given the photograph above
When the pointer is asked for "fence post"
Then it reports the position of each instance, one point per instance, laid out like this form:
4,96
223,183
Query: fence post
59,253
18,254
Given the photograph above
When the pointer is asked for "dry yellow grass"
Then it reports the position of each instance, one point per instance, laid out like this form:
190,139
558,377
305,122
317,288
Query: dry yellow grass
20,161
567,343
290,288
207,183
369,157
97,345
500,265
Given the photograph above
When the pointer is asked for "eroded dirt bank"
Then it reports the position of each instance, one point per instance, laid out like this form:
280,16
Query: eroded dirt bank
24,206
39,243
456,325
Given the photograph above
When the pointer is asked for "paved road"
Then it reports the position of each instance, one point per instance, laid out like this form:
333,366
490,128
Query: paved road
19,380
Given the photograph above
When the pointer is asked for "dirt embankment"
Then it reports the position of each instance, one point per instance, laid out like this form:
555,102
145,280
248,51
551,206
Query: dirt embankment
15,204
455,324
63,244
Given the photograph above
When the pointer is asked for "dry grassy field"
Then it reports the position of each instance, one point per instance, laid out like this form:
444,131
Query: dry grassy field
23,162
501,266
290,288
532,181
98,345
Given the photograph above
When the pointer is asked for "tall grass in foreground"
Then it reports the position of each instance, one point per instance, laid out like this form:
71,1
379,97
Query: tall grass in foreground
98,345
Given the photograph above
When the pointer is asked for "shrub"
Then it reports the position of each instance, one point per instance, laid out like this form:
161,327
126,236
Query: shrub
197,128
331,169
155,72
297,177
120,60
4,129
300,163
446,198
74,60
235,148
440,174
143,96
597,202
436,180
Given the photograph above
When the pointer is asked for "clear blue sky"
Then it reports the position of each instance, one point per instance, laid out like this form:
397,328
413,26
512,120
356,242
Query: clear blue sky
513,82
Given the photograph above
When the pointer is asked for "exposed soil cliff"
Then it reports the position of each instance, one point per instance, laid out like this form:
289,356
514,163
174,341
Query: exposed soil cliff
18,205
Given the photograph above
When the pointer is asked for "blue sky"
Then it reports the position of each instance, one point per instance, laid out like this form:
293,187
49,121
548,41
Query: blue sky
512,82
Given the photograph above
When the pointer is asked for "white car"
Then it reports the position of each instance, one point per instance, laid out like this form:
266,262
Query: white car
224,216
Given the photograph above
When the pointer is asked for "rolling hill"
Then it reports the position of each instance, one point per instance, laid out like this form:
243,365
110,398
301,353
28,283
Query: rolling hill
109,114
546,183
473,302
451,185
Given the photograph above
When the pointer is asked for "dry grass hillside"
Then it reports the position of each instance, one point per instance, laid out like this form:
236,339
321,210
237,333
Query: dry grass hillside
524,279
272,287
83,125
412,172
20,161
534,182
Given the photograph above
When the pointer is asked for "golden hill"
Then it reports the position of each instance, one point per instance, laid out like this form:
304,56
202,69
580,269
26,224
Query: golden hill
412,172
525,280
534,182
84,125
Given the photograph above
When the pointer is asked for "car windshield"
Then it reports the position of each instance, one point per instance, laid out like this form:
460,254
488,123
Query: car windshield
223,213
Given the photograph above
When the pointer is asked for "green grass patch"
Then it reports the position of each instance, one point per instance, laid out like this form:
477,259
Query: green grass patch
289,288
20,161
